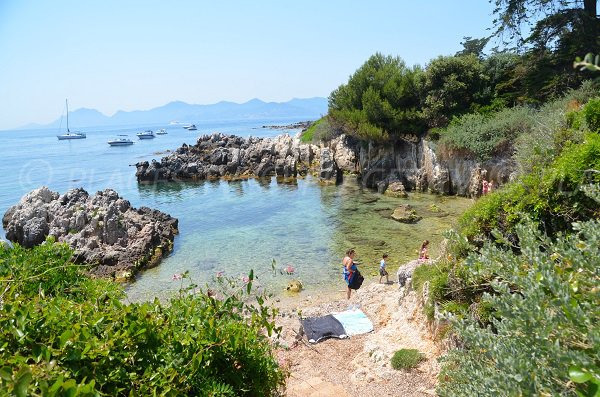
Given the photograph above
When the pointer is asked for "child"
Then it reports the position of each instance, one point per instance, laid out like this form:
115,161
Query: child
423,255
382,271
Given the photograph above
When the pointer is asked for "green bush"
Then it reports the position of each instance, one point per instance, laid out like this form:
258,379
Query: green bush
544,331
56,340
406,359
320,130
487,135
552,196
556,125
591,111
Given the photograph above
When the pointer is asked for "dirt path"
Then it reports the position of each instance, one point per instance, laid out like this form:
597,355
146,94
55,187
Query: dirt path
360,366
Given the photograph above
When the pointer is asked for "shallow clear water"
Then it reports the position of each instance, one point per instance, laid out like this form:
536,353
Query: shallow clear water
231,226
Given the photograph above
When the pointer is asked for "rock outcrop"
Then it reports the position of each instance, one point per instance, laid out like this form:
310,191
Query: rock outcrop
406,214
229,156
407,164
104,229
411,164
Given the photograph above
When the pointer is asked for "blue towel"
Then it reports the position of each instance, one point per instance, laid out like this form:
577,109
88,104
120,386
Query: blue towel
355,322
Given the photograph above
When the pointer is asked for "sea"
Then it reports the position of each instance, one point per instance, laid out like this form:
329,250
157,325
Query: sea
228,228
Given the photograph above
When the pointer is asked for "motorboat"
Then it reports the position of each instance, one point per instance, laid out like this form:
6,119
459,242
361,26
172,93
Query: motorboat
121,140
162,131
69,134
148,134
191,127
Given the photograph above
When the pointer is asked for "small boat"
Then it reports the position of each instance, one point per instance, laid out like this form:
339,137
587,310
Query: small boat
162,131
191,127
121,140
148,134
69,134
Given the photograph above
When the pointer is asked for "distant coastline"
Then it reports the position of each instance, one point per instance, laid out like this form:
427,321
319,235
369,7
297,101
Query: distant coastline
299,109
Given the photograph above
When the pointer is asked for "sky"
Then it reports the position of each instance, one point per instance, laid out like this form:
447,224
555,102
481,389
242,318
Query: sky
128,55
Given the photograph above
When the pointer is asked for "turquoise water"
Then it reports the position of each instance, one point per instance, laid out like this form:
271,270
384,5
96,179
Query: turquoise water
229,227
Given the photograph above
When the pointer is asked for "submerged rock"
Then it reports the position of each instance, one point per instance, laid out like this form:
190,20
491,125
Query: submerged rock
104,229
405,214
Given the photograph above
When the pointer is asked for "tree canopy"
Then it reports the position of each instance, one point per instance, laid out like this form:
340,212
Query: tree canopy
379,100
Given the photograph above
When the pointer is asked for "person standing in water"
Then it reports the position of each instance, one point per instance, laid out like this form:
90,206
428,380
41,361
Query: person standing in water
349,269
382,270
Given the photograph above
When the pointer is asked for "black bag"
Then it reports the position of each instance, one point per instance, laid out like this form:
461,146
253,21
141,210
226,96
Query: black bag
357,280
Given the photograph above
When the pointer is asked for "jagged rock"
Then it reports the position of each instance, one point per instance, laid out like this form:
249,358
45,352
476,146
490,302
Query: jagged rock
405,271
102,229
405,214
345,154
230,156
329,169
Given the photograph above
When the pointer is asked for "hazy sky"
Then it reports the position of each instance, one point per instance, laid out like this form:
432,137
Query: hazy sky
133,55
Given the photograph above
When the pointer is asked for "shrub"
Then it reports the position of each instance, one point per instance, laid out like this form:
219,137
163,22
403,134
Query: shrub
487,135
553,196
406,359
591,112
556,125
320,130
58,343
546,310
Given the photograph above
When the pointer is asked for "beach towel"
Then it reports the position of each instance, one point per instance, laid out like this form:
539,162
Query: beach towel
336,325
355,322
321,328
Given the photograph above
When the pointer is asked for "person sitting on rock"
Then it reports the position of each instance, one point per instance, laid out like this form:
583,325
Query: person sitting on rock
423,254
382,270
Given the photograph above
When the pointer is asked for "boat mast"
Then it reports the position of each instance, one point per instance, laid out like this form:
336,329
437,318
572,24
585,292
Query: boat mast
67,103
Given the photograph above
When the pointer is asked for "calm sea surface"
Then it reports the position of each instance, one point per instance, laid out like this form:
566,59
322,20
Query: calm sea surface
228,226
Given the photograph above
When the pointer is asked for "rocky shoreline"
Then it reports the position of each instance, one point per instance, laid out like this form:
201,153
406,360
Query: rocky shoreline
104,230
408,164
301,125
232,157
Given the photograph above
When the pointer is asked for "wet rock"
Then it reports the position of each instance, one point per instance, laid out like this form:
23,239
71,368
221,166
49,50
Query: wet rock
329,170
405,214
294,286
396,189
102,229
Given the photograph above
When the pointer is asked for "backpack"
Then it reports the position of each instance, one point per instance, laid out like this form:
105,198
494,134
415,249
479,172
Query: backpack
357,280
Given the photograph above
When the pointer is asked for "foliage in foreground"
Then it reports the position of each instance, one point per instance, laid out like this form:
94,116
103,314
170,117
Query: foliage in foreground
406,358
544,332
62,333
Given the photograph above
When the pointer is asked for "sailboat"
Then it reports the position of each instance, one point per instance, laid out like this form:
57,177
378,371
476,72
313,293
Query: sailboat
69,134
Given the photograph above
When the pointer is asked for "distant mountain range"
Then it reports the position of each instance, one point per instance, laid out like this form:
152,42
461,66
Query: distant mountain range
308,108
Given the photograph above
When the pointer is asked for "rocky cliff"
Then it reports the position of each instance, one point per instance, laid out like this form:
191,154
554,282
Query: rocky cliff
413,163
104,229
409,163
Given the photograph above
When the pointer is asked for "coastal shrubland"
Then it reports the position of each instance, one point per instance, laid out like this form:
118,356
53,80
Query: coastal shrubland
64,333
519,282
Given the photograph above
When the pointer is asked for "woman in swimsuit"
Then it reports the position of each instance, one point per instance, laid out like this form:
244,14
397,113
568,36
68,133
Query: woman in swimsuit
349,269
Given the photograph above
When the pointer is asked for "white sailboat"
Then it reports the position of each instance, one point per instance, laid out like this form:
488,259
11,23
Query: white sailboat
69,134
